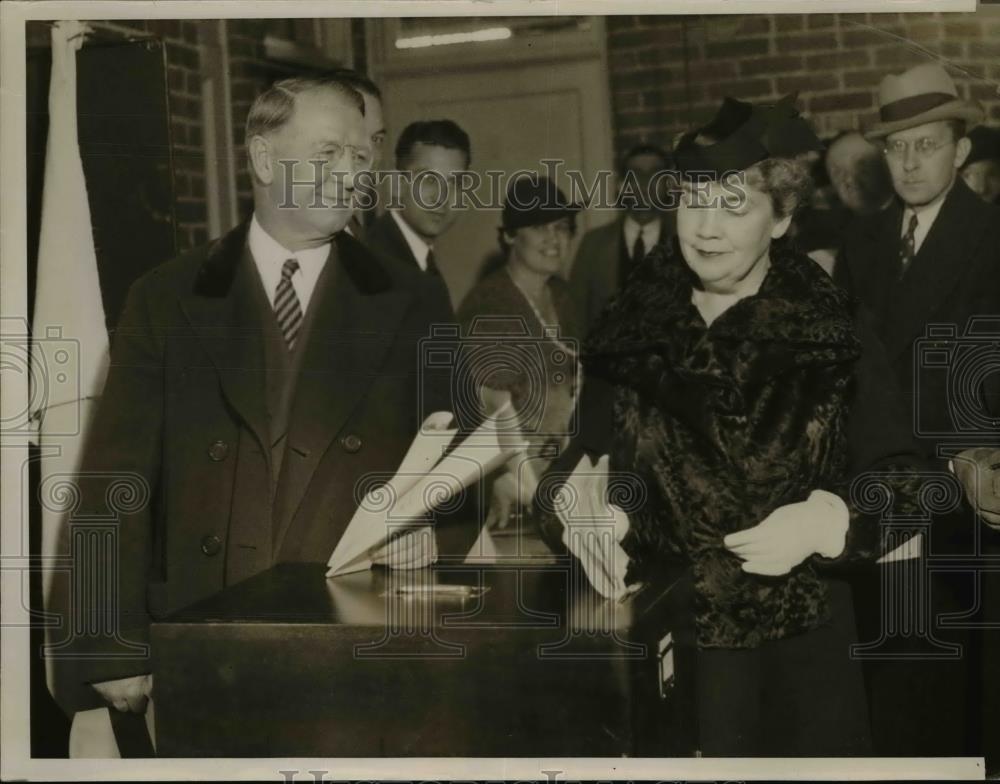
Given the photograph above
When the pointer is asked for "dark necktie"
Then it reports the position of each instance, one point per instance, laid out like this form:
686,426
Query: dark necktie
638,250
432,267
908,249
287,308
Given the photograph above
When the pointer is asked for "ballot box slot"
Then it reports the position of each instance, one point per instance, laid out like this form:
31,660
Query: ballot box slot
438,591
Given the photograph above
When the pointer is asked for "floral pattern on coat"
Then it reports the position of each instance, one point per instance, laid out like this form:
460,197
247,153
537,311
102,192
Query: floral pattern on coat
724,424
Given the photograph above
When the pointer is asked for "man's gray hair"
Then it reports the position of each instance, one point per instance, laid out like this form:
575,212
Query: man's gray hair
273,107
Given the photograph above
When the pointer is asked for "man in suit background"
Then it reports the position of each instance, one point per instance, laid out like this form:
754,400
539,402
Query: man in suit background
608,252
933,257
254,382
432,154
376,133
981,170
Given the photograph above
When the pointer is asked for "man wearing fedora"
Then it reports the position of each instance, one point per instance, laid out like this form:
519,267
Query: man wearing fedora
932,257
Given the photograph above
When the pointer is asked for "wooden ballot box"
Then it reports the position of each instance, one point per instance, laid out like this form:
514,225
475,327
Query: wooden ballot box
496,660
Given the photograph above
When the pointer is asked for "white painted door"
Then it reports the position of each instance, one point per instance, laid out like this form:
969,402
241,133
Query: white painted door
517,111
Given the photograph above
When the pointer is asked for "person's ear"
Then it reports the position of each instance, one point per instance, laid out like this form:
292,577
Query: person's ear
508,237
962,149
781,227
261,163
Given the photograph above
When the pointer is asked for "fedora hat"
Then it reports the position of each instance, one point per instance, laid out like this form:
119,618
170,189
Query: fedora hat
924,93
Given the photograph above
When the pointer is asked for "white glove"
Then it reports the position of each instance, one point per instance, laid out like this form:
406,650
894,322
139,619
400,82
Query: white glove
512,490
792,533
593,529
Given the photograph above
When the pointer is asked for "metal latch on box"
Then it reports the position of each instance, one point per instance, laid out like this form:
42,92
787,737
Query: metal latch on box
666,659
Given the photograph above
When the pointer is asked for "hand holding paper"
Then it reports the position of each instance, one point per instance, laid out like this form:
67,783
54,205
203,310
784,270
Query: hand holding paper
424,481
593,528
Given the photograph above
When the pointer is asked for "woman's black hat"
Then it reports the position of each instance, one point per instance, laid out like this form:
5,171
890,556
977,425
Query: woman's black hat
533,200
743,134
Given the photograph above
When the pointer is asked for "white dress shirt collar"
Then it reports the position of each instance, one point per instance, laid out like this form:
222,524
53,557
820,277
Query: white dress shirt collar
650,233
269,256
418,245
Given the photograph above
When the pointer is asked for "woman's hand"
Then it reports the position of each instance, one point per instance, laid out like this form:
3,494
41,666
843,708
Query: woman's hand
792,533
593,528
511,490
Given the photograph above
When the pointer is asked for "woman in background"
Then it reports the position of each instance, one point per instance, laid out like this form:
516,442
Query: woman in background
520,327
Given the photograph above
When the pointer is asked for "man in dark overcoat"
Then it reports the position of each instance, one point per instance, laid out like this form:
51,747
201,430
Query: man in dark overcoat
255,384
928,267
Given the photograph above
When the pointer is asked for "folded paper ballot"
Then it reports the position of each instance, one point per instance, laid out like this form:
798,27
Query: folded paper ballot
427,479
908,550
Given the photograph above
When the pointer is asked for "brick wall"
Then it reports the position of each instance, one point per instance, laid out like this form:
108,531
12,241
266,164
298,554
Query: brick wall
180,39
250,73
247,78
669,74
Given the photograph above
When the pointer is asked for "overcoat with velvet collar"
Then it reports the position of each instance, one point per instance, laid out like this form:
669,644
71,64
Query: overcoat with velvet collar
184,415
716,427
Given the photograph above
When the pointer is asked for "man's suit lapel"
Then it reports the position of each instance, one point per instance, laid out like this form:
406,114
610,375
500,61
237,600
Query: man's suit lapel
224,317
353,328
935,270
400,248
617,249
874,262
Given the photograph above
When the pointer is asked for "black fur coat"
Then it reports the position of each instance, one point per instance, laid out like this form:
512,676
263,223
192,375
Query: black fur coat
721,425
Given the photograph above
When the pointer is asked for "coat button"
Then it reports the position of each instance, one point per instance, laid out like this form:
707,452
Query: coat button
218,451
211,545
351,443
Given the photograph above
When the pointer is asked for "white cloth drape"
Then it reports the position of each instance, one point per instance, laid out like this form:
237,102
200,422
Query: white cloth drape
69,342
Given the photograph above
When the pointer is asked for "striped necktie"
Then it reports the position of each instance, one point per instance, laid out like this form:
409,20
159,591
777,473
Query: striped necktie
287,308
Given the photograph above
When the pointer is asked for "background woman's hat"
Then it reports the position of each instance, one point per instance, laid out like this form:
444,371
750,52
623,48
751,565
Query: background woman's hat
533,200
922,94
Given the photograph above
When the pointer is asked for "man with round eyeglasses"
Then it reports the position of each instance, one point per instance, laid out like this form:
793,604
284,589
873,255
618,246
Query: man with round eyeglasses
255,383
928,267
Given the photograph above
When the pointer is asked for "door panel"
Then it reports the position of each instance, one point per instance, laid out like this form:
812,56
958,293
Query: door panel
516,115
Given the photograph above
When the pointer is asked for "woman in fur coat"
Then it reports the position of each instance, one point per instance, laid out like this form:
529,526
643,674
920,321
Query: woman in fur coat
744,394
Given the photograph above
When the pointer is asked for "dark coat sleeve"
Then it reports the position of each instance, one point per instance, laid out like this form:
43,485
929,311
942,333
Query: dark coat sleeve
118,484
444,389
885,470
593,429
